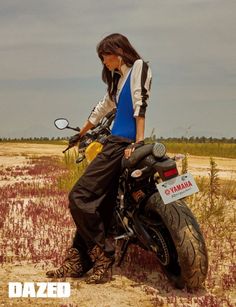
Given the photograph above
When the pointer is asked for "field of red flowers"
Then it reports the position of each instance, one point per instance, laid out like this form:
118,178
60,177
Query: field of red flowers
36,229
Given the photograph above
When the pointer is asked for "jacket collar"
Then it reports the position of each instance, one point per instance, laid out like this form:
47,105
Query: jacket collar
123,70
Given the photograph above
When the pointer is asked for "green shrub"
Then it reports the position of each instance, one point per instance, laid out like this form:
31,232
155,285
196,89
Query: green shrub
75,170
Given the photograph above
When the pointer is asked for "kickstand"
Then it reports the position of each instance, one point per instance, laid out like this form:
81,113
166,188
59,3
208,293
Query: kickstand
123,251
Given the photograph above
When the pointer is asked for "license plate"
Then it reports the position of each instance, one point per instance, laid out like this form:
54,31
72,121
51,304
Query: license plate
177,188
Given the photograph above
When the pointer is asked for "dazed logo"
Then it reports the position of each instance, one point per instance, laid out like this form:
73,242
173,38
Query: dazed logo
38,289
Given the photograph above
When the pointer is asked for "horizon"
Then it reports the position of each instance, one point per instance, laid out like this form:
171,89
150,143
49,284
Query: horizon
154,138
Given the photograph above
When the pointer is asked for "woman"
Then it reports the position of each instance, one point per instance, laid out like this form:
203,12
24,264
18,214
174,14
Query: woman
128,80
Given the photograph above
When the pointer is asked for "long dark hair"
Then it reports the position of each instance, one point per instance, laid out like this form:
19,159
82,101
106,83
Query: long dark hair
116,44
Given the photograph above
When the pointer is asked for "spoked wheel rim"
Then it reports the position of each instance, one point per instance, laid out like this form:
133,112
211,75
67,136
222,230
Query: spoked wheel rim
169,258
161,250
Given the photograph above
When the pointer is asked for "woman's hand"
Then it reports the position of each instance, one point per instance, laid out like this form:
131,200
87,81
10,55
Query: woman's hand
131,148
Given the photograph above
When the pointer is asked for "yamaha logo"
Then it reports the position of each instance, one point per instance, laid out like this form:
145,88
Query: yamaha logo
178,187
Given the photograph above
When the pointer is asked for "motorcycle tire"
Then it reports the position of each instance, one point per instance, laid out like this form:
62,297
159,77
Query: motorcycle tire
188,263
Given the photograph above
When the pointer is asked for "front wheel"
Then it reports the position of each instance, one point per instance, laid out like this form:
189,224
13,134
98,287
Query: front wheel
187,263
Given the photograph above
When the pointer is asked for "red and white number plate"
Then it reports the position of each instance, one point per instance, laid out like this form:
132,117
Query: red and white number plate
177,188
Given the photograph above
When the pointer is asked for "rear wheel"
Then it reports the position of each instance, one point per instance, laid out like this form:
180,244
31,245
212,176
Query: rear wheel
183,255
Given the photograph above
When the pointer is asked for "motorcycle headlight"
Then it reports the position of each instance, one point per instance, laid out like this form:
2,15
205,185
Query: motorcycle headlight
159,150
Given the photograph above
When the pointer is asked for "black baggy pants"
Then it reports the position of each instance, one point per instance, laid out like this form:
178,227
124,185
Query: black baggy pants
92,199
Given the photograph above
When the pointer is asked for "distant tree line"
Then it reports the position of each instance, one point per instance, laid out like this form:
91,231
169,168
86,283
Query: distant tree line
33,139
192,139
152,138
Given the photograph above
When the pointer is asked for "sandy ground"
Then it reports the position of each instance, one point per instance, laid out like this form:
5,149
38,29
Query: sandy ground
17,153
199,166
120,291
12,154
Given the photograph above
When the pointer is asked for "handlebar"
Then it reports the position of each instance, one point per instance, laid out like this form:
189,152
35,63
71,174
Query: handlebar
75,129
68,147
101,128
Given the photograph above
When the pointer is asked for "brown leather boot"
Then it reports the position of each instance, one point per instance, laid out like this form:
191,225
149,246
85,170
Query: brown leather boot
72,266
102,264
94,253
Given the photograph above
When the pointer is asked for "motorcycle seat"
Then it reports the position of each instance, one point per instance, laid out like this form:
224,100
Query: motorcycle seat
137,155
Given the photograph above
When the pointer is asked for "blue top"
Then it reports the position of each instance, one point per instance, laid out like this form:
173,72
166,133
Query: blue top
125,123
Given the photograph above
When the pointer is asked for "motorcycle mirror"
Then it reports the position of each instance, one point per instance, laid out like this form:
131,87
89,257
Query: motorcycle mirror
61,123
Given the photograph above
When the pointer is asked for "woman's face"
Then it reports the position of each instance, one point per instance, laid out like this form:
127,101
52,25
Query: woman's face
112,61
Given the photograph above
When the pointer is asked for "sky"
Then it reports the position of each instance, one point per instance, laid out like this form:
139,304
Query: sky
49,67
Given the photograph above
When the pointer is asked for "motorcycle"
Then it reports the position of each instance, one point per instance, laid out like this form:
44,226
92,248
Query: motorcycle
150,209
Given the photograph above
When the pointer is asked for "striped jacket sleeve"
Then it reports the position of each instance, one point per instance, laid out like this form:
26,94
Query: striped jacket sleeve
140,85
101,109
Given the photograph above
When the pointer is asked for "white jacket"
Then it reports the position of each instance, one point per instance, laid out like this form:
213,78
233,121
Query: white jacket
141,77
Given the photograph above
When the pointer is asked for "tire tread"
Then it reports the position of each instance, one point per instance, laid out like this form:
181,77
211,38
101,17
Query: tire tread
187,238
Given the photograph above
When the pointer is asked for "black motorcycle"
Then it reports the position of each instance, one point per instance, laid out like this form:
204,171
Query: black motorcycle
150,210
